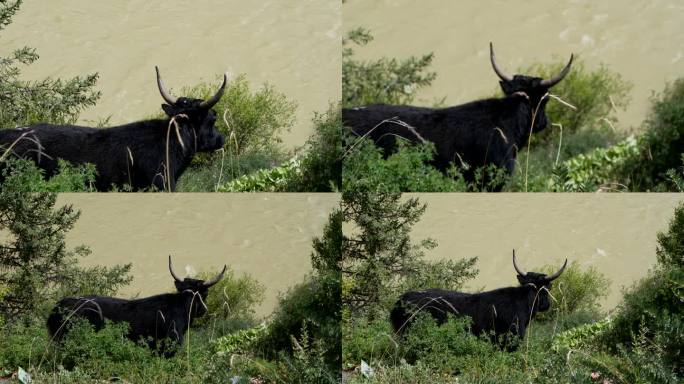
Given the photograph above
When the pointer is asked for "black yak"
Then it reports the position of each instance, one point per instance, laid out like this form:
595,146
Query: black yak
499,311
160,320
133,154
480,133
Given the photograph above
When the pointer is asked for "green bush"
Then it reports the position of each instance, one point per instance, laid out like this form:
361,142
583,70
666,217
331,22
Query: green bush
661,146
388,81
251,120
653,306
49,100
24,175
407,170
231,301
597,94
35,261
380,261
321,160
311,309
575,290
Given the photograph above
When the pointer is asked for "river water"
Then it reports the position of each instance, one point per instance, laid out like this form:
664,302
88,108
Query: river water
615,233
265,235
641,40
293,45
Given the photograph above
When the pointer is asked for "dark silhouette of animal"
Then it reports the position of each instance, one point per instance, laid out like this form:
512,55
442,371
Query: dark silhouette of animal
479,133
134,154
499,311
160,320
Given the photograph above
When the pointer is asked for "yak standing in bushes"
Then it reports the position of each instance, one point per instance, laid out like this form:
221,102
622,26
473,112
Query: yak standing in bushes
155,318
499,311
479,133
134,154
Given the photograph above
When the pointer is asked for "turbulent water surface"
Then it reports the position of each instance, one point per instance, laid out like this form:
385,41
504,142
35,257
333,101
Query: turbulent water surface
616,234
267,236
293,45
641,40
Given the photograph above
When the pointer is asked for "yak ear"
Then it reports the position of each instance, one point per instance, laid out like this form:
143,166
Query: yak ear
169,109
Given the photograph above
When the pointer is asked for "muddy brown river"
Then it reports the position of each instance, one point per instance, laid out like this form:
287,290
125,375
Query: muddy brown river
265,235
641,40
293,45
614,233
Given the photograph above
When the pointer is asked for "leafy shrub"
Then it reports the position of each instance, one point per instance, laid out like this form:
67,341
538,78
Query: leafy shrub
575,290
379,258
388,81
276,179
49,100
321,161
661,146
654,304
598,169
22,343
251,120
231,300
407,170
597,94
34,258
24,175
312,307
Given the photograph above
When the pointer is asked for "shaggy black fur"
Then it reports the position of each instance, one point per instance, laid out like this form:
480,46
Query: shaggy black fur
157,319
133,154
499,311
479,133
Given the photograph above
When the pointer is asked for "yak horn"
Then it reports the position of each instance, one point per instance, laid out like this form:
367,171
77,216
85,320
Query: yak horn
498,71
554,80
215,279
175,277
164,93
555,275
214,99
515,265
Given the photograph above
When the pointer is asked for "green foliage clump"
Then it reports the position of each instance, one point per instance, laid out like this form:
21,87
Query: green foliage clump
321,162
388,81
407,170
35,261
24,175
251,120
653,306
597,94
48,100
576,290
662,144
309,313
379,259
230,303
317,169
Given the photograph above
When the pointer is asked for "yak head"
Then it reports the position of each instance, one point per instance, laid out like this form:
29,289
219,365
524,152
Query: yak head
197,114
195,291
534,89
540,283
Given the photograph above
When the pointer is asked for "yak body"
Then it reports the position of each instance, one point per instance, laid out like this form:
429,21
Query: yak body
478,133
160,320
472,135
154,319
501,312
133,154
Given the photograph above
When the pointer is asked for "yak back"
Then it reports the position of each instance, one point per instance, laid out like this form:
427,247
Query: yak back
468,130
498,310
126,154
157,317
